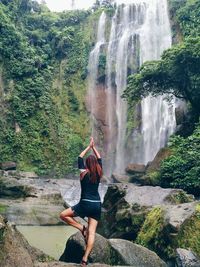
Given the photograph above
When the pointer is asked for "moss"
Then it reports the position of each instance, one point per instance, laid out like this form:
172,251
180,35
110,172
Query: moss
3,208
45,258
153,178
179,197
189,234
153,233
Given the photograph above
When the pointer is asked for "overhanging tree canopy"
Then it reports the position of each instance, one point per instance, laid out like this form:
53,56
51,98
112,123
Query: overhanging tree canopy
177,73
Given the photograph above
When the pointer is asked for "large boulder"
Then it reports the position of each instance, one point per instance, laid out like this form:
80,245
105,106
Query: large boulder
31,201
134,168
186,258
75,247
152,216
12,188
15,250
136,255
120,178
8,165
111,251
152,176
162,154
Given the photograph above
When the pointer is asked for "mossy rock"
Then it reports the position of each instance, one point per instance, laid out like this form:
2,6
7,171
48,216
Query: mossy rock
158,235
179,196
189,234
154,233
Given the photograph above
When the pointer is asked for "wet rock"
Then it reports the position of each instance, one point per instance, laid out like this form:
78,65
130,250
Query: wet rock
28,175
186,258
10,187
111,251
8,165
176,215
75,249
62,264
126,207
136,255
15,250
120,178
154,165
134,168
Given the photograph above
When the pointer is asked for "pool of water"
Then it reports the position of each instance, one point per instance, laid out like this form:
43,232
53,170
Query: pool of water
50,239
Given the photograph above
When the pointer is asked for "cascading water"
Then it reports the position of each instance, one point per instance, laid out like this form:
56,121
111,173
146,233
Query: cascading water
93,69
121,54
157,116
139,32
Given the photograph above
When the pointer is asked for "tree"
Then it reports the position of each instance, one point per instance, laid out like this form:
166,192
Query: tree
177,73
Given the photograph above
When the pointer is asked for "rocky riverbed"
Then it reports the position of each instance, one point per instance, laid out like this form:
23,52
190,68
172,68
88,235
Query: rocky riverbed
162,220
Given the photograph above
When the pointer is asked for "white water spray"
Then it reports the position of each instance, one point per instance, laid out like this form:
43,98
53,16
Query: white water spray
139,32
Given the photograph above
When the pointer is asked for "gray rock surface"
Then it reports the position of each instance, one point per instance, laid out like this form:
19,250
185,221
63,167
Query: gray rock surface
75,247
136,255
126,206
38,202
134,168
143,195
14,249
186,258
120,178
176,215
111,251
62,264
8,165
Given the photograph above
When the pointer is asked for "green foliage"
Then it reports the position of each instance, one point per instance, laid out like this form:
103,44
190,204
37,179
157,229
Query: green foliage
176,73
44,57
3,208
188,17
182,170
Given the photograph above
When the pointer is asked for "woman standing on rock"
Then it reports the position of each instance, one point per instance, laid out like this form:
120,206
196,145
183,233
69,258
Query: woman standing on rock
90,203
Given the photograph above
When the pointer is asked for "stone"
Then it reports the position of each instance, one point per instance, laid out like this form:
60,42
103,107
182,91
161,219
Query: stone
12,188
111,251
134,168
28,175
15,250
176,215
154,165
8,165
120,178
136,255
186,258
75,247
127,205
180,114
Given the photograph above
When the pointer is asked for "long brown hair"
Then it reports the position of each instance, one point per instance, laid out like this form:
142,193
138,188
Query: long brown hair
94,168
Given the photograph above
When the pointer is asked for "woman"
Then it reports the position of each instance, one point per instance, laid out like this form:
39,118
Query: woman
90,203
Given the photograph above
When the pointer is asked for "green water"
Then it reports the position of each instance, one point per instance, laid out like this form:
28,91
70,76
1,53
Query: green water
50,239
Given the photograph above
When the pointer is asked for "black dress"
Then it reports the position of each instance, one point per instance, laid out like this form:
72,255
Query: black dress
90,202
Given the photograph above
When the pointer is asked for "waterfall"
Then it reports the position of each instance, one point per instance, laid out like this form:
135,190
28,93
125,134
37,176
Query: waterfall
140,31
157,116
93,70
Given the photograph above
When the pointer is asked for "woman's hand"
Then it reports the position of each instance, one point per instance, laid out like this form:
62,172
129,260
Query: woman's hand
91,142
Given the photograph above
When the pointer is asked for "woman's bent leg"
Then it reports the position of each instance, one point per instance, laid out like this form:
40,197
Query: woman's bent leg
67,216
92,225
